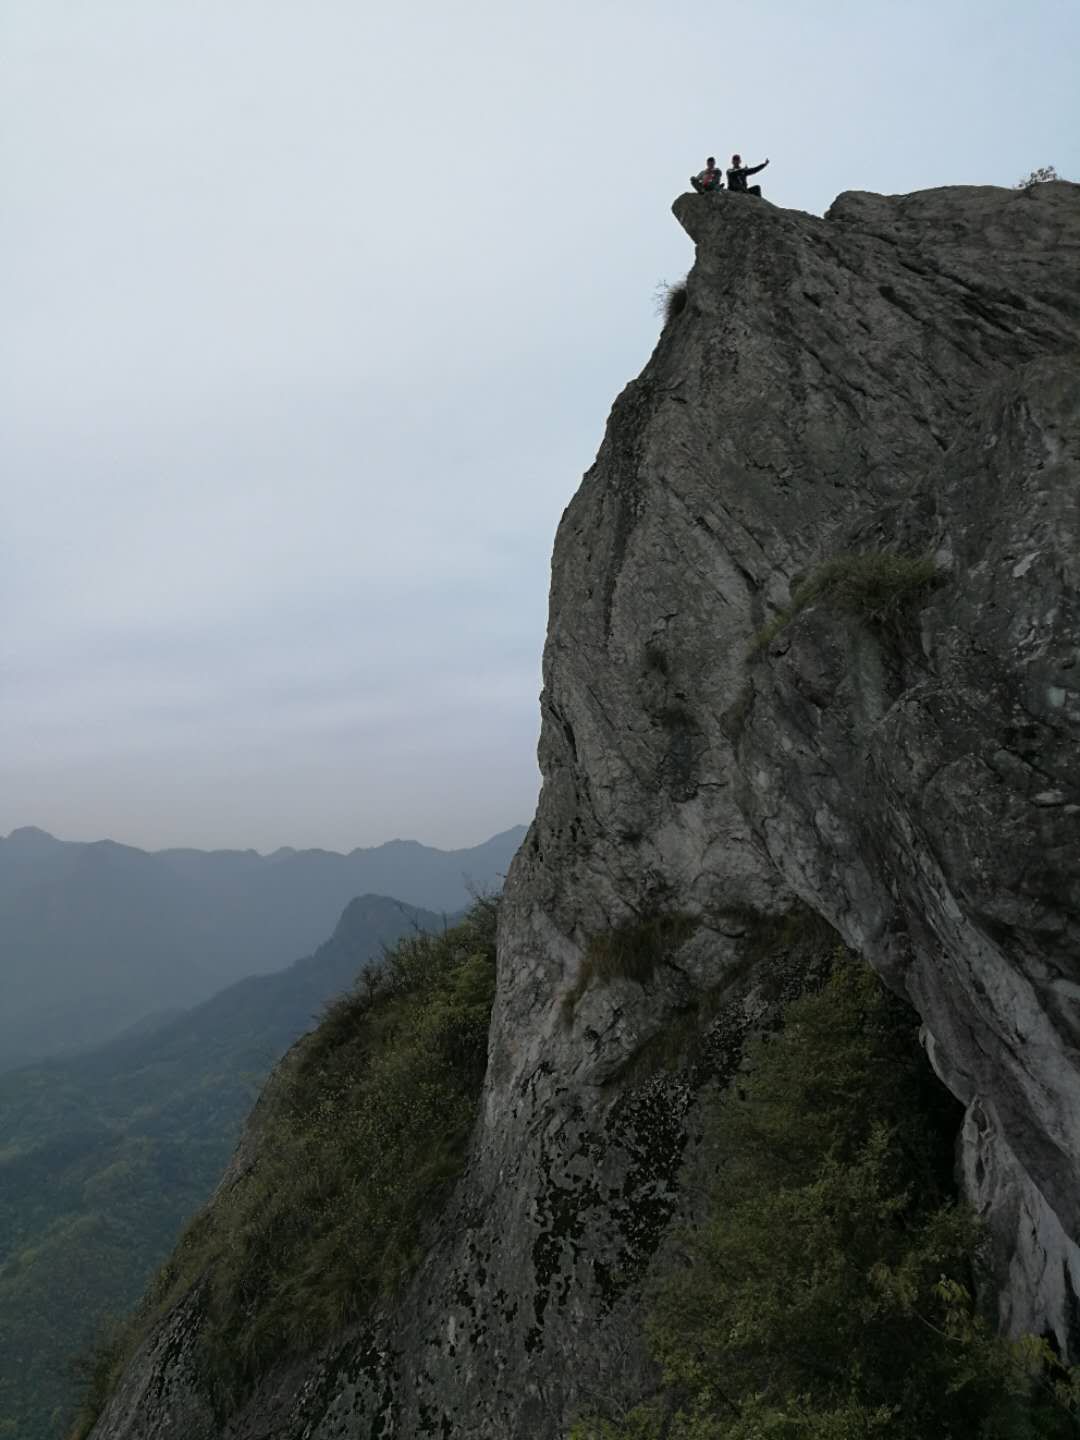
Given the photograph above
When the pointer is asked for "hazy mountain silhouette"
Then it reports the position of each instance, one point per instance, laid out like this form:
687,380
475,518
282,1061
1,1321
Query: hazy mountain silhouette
95,937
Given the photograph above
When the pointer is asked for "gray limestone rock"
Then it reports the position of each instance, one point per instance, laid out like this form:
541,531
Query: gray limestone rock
922,782
900,375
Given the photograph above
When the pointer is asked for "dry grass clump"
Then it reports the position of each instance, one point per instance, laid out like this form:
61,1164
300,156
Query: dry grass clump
628,952
874,586
671,298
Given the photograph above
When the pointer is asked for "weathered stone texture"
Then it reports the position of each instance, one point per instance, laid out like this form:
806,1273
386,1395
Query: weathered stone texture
922,783
903,375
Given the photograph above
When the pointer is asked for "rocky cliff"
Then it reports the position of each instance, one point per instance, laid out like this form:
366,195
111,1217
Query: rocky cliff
901,379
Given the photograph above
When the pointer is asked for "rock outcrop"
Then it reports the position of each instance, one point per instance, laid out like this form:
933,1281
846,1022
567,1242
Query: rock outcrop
901,376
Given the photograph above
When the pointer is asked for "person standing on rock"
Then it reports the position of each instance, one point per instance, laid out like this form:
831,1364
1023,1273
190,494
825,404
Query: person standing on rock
736,176
709,178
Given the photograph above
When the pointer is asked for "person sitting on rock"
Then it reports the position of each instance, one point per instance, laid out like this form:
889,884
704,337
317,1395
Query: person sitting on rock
736,176
707,179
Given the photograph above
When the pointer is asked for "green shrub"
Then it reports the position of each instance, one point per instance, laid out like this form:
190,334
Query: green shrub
774,952
631,952
874,586
364,1130
1043,175
827,1293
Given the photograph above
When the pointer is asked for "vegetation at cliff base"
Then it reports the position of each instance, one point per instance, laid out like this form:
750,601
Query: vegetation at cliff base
874,586
358,1138
827,1293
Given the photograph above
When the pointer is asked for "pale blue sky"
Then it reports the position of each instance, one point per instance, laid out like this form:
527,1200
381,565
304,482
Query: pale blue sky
313,314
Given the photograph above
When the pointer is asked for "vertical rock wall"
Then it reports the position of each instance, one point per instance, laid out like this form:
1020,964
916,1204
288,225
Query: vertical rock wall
900,374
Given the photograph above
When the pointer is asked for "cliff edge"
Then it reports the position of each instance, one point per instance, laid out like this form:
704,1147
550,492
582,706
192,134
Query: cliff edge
734,732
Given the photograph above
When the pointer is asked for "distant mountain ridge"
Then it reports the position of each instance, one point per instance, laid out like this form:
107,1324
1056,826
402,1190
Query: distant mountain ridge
95,936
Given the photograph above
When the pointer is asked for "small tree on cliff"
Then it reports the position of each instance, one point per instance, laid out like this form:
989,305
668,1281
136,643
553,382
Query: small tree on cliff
1040,176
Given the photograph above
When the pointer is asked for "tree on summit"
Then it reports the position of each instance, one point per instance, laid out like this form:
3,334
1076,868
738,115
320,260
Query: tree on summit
1042,176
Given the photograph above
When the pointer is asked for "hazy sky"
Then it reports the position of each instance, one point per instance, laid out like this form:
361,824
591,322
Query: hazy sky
313,311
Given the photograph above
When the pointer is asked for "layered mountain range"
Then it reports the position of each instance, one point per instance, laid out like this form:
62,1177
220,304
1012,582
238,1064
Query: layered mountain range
97,937
813,651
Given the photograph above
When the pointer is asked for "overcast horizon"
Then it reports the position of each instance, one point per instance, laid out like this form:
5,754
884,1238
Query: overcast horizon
314,316
155,849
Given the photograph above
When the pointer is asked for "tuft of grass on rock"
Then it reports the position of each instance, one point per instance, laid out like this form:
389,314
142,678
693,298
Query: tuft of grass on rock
628,952
873,586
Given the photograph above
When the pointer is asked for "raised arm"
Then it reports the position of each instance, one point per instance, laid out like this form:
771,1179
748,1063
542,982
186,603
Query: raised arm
753,169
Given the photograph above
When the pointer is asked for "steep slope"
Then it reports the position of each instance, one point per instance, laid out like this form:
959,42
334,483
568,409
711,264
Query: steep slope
105,1156
921,783
898,375
94,937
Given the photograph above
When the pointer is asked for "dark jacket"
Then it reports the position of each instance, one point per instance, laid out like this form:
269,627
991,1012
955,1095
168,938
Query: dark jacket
736,176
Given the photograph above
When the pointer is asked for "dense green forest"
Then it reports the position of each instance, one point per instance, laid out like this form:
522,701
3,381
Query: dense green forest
103,1158
827,1293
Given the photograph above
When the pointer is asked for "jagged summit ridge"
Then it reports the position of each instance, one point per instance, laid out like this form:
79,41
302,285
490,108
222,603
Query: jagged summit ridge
898,375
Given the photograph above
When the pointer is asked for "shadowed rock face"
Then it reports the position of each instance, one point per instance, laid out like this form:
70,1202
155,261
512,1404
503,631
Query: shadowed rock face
902,375
922,784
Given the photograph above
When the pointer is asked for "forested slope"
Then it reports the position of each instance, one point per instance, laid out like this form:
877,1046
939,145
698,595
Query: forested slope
104,1157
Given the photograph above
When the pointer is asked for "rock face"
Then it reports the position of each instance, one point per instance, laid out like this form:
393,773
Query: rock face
899,376
925,789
